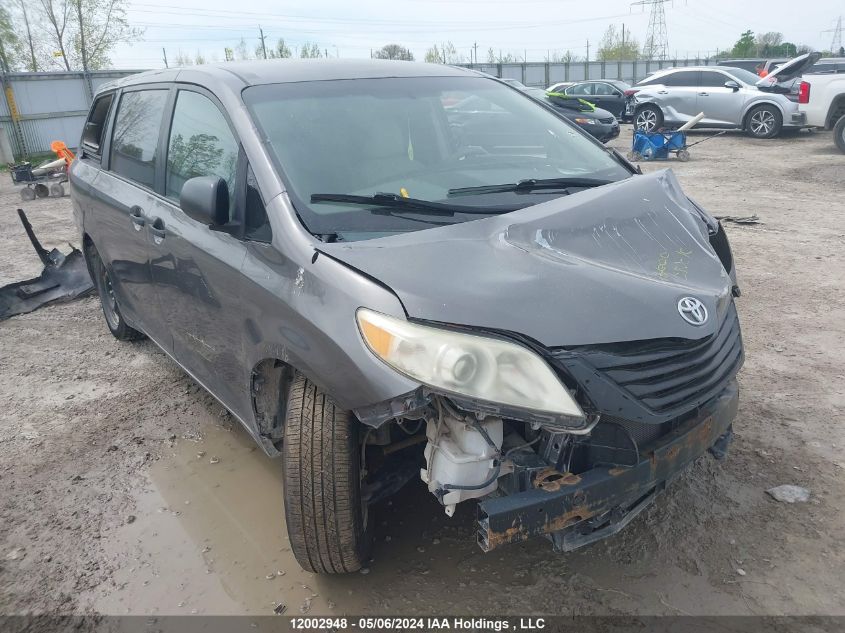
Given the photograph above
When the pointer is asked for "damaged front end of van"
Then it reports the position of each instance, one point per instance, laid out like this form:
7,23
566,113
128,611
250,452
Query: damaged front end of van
572,357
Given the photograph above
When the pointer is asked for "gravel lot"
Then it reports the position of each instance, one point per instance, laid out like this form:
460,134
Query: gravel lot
125,488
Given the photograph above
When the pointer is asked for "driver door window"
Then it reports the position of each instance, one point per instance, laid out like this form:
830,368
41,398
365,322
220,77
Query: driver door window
201,144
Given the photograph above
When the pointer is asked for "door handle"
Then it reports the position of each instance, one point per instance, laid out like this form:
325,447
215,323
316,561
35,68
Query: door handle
703,94
136,214
157,229
663,92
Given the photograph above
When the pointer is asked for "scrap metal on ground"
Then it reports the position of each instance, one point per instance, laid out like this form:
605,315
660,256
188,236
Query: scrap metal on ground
64,277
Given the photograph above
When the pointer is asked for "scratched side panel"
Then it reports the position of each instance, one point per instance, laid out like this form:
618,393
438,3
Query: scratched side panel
301,310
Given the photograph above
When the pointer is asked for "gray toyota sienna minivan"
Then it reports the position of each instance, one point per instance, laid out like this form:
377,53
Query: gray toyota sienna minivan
391,271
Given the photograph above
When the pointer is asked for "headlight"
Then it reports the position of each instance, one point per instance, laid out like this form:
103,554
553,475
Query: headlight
479,367
583,121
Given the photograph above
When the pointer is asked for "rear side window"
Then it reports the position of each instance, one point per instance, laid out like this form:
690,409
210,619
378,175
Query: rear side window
712,79
135,138
201,144
92,135
604,90
580,89
685,78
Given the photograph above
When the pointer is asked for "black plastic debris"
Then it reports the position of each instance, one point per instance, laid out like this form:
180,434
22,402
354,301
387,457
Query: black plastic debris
64,277
750,219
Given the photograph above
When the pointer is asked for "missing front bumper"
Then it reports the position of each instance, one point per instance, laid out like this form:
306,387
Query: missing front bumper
576,510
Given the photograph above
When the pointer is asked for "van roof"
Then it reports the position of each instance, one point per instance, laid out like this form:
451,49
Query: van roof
238,75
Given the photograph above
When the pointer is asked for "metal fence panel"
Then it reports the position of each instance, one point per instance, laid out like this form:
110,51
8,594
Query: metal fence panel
51,106
535,75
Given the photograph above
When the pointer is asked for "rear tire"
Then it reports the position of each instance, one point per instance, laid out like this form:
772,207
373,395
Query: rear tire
648,118
111,311
839,134
326,518
764,121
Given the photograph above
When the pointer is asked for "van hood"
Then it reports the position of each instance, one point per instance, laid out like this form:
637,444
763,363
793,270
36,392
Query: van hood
604,265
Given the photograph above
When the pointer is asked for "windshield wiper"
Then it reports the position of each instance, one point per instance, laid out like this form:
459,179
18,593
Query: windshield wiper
395,202
531,184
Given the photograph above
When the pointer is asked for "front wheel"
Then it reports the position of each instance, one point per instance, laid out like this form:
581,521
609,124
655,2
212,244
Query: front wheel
327,518
649,118
764,121
839,134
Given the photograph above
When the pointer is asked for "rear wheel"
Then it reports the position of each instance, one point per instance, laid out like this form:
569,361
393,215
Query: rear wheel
764,121
649,118
326,517
839,133
111,311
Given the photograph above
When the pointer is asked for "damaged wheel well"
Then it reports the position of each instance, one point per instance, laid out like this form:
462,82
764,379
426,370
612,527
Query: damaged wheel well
270,383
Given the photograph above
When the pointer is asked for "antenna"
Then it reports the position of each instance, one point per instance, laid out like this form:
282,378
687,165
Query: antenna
656,41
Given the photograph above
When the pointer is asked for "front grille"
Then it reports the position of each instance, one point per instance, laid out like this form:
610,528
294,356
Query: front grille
607,120
669,376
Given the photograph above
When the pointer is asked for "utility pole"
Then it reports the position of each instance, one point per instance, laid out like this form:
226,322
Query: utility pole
475,50
656,41
263,47
588,50
164,54
623,37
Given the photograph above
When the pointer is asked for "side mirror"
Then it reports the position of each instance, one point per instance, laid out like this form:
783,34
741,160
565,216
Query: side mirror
206,200
732,85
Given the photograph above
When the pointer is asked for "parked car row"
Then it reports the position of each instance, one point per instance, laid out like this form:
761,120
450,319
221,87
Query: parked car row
730,97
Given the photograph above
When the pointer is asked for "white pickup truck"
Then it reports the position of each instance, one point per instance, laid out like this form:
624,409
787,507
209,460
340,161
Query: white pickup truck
822,99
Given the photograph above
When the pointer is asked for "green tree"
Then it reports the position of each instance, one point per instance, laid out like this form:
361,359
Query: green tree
394,51
768,44
613,47
280,51
311,51
241,51
82,33
10,45
746,45
434,56
182,59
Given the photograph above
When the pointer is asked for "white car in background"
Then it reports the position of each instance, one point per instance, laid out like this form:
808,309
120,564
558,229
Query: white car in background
730,98
822,99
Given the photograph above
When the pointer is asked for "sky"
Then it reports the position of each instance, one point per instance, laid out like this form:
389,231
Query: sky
520,27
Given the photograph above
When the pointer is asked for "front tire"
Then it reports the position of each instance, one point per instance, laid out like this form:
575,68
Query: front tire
839,134
764,121
648,118
327,519
111,311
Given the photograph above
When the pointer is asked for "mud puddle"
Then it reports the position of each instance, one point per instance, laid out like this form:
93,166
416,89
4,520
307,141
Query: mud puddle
208,536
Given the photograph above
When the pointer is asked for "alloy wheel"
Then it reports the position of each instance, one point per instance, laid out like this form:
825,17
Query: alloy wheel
646,120
762,123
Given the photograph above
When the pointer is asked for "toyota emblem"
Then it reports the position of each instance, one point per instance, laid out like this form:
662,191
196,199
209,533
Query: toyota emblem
692,311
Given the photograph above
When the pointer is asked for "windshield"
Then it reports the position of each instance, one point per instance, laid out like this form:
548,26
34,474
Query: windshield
415,138
743,75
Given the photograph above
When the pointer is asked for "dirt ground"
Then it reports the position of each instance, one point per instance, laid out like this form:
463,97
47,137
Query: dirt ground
125,488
